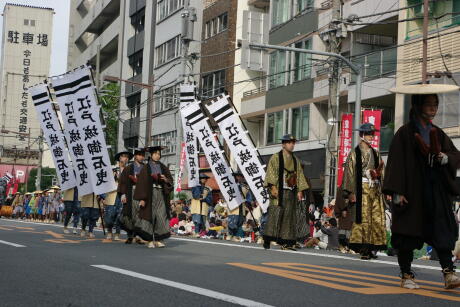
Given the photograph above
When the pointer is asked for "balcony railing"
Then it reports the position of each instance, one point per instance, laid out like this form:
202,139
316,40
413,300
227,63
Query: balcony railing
256,91
377,64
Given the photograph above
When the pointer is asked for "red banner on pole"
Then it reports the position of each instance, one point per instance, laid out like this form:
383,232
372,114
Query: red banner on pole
181,168
375,118
346,135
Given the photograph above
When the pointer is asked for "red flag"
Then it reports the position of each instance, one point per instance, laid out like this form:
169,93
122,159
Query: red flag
346,135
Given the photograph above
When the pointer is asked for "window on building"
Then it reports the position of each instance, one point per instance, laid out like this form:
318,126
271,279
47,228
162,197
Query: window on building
32,23
168,140
277,76
167,99
274,127
166,8
138,21
216,25
136,61
168,51
302,62
133,103
213,84
222,22
26,22
301,122
303,6
280,11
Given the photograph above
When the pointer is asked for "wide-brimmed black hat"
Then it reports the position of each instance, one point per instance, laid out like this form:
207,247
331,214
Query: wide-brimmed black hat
288,138
204,176
367,128
139,151
118,155
153,149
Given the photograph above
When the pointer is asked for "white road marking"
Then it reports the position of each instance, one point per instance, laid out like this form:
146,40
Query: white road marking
193,289
300,253
11,244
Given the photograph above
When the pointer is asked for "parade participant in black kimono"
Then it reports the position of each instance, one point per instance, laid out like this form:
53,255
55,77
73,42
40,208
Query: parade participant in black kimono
153,188
126,187
420,177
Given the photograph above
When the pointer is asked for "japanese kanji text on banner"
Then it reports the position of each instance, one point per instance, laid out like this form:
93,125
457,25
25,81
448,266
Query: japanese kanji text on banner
187,92
214,155
375,118
76,97
53,135
241,147
346,135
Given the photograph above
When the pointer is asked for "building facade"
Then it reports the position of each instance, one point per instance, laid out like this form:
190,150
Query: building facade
26,54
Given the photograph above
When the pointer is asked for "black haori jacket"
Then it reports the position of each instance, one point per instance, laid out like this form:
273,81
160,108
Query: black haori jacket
429,190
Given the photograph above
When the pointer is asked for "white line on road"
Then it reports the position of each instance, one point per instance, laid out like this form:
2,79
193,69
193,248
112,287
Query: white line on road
193,289
300,253
11,244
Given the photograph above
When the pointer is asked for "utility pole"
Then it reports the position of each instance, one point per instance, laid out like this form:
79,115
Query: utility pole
332,38
38,181
186,37
148,132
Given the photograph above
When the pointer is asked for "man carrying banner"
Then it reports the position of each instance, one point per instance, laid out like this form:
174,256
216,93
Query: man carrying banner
236,216
71,208
286,183
363,174
202,199
111,215
89,214
153,189
126,187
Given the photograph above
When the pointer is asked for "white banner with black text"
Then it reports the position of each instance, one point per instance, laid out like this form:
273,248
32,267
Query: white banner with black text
214,155
53,135
187,96
78,103
241,147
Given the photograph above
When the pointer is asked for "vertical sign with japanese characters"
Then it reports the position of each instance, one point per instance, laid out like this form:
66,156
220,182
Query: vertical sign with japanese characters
214,154
53,135
181,169
187,96
76,90
346,135
241,147
375,118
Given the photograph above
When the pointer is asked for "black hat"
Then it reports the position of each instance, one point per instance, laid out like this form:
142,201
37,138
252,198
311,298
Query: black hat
118,155
203,175
153,149
139,151
237,173
367,128
288,138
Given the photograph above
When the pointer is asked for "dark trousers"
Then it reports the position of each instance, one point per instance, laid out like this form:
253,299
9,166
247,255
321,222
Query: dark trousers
405,257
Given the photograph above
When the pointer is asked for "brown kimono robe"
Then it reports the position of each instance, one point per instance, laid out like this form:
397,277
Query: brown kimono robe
153,220
126,184
428,215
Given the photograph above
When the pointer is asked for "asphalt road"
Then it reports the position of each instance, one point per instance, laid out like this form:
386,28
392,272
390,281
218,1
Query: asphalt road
40,266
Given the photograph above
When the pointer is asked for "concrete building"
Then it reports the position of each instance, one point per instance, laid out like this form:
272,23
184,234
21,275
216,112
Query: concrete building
443,55
96,28
166,124
25,61
294,95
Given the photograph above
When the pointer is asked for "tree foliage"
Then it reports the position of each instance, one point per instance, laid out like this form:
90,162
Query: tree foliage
109,98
